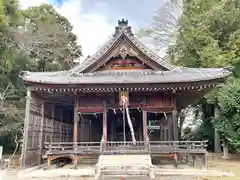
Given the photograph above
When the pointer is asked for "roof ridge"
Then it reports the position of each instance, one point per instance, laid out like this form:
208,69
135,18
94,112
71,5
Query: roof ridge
122,29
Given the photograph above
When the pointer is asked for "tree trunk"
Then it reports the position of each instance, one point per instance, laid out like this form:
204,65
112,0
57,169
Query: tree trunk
217,141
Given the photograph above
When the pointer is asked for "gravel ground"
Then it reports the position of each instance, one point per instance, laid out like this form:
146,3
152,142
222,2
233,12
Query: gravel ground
67,173
13,175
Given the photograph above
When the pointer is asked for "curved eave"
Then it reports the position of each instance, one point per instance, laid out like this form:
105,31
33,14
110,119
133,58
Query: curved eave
178,75
133,87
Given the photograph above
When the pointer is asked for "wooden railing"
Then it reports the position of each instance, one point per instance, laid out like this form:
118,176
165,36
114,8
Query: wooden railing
178,146
65,147
127,147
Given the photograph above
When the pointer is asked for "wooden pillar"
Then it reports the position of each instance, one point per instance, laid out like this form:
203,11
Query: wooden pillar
145,128
170,128
75,129
82,128
61,133
175,125
105,125
175,160
49,162
194,160
139,131
26,125
112,131
41,133
53,115
174,118
204,161
75,123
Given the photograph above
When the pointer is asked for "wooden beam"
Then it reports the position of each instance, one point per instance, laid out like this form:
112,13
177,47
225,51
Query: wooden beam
41,133
26,125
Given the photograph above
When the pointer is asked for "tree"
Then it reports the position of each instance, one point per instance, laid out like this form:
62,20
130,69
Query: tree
209,36
47,37
228,123
165,23
204,33
213,39
11,61
34,39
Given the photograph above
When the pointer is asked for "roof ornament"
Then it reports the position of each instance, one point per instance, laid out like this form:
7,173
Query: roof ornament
123,52
123,27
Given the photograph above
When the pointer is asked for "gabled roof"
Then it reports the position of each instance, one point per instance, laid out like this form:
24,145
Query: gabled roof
171,74
122,30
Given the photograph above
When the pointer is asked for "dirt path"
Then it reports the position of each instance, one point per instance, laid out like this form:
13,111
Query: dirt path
13,175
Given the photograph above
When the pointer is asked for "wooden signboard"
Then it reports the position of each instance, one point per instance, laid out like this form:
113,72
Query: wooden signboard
123,95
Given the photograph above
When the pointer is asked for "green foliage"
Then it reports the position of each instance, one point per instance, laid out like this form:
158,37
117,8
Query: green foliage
206,34
204,131
35,39
48,38
11,62
209,30
228,122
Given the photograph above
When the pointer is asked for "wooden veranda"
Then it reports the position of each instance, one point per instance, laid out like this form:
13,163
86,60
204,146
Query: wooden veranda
154,148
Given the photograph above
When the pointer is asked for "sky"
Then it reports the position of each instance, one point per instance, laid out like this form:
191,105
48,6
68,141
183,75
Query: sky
94,20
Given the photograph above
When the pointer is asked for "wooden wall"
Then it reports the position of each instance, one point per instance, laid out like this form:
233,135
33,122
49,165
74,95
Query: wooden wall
45,122
31,146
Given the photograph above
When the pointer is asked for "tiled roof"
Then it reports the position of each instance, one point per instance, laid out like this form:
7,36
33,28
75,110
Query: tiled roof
177,75
172,74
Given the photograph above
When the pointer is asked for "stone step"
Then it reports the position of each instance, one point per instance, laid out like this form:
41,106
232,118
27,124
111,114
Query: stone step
125,159
124,165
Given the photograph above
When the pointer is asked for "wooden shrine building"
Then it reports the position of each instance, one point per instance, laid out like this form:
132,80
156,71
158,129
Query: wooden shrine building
83,104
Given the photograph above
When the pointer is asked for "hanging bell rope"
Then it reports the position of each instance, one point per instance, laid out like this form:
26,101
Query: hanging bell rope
130,126
125,107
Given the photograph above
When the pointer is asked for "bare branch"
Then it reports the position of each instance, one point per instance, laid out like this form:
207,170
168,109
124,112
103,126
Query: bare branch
165,24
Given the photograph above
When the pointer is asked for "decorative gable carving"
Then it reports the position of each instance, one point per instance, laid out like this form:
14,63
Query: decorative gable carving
119,63
123,57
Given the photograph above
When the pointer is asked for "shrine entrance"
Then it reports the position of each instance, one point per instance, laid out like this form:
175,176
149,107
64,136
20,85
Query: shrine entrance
118,128
158,125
